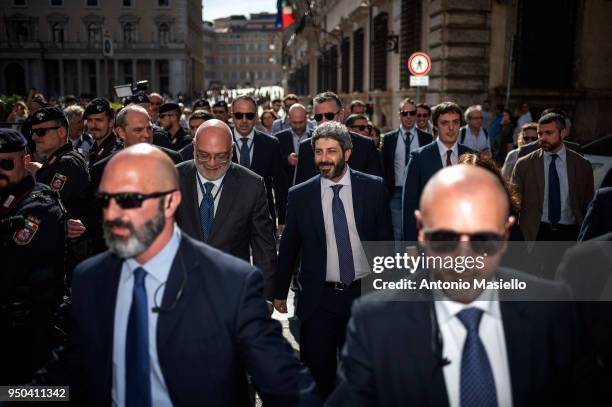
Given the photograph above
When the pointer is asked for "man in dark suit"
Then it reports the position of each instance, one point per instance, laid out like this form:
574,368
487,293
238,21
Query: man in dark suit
533,146
426,161
195,120
364,156
162,319
261,154
289,140
598,218
327,219
396,148
240,217
468,346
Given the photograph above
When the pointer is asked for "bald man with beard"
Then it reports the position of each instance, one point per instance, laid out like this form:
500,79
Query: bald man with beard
161,319
461,346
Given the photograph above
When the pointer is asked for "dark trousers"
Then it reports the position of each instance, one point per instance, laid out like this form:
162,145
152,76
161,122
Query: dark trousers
553,242
322,336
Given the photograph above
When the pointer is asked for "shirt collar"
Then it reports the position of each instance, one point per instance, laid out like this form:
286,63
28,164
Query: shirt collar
250,136
159,265
443,149
561,153
405,132
345,180
204,180
487,301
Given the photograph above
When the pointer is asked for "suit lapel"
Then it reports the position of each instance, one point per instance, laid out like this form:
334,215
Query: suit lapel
316,207
517,330
358,190
258,149
571,176
107,304
539,172
192,203
227,200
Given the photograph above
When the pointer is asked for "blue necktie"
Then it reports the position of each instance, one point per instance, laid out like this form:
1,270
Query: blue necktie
207,210
554,192
245,153
343,241
477,384
137,362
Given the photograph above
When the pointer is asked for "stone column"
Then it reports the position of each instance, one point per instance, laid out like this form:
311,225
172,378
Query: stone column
98,86
79,63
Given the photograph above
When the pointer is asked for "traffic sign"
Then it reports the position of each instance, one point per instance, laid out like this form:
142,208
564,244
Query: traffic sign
419,80
419,64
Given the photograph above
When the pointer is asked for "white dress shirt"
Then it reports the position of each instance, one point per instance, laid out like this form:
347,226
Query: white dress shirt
399,158
443,149
238,143
346,196
491,332
157,268
477,142
567,214
216,191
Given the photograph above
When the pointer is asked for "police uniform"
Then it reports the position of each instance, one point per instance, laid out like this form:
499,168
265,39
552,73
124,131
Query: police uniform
111,143
32,248
181,138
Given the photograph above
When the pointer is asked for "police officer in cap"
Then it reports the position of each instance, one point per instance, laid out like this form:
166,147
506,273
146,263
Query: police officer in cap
100,119
160,135
170,119
32,246
201,104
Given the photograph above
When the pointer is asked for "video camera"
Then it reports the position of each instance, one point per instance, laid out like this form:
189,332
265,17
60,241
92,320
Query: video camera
123,91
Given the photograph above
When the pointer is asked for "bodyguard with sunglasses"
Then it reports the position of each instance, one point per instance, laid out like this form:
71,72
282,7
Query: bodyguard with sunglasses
32,247
462,347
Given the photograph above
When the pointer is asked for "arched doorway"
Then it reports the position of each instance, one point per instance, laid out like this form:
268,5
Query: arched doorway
14,78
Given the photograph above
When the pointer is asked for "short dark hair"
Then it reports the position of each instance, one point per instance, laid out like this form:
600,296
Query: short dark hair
553,118
327,97
201,115
248,98
333,130
424,106
353,118
443,108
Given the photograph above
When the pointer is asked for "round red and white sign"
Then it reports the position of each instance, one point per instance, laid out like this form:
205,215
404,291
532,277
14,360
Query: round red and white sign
419,64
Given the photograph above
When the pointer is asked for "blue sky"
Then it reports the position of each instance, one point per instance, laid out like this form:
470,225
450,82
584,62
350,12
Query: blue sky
223,8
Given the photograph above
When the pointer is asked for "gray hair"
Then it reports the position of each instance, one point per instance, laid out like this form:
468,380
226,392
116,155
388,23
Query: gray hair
333,130
470,110
327,97
120,120
73,112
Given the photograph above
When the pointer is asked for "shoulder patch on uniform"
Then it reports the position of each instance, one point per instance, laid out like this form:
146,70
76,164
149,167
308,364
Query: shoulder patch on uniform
58,181
24,236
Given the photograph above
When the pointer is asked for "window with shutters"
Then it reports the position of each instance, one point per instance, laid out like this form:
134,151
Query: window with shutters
358,61
345,51
410,37
379,52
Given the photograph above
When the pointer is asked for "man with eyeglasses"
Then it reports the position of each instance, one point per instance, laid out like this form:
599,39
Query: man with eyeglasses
358,123
169,119
155,101
225,204
100,119
473,135
396,148
467,345
364,156
161,319
261,154
32,247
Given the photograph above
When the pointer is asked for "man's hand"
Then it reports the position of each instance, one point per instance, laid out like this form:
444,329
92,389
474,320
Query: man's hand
292,159
33,167
279,230
75,228
280,306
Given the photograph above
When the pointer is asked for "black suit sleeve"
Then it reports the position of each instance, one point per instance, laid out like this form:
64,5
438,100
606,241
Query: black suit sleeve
411,196
595,223
279,183
383,218
374,162
290,245
262,241
305,168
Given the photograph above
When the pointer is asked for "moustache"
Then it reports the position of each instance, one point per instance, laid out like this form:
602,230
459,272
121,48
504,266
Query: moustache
118,223
321,164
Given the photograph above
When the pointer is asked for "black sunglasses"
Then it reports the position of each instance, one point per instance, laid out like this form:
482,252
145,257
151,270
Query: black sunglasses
128,200
42,131
529,139
240,115
422,115
447,241
7,164
408,112
361,127
329,116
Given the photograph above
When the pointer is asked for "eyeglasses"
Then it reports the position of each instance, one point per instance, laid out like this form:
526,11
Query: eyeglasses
42,131
161,116
128,200
361,127
329,116
240,115
7,164
446,241
422,115
219,158
408,112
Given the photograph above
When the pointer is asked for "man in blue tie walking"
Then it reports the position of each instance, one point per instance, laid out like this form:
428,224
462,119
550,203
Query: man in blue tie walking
328,218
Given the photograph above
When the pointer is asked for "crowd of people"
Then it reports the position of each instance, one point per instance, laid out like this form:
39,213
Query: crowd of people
145,248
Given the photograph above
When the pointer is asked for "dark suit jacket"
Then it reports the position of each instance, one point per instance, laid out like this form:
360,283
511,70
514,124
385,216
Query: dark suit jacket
242,219
390,357
364,158
535,145
305,231
389,144
267,163
285,140
423,164
598,218
528,176
186,152
218,329
607,179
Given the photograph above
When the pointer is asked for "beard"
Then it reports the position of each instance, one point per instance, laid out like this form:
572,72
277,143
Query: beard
336,168
546,146
139,240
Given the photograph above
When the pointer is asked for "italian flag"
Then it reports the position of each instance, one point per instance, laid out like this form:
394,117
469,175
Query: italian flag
284,14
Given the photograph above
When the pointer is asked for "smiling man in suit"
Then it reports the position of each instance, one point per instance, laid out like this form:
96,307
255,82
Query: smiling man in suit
224,204
161,319
462,347
327,219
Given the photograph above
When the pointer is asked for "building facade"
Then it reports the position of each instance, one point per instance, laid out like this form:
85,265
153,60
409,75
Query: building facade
549,52
56,46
